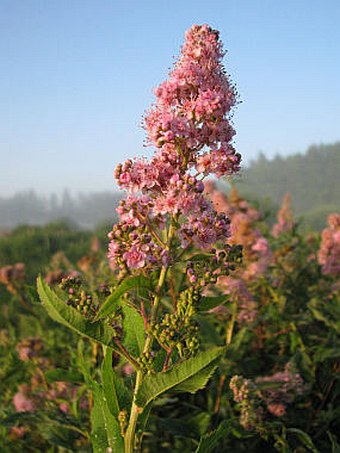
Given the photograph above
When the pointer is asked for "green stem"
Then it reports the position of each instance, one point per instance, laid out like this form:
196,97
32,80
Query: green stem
231,324
129,439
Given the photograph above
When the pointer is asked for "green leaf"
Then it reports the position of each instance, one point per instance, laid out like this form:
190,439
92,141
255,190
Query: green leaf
105,431
69,317
134,331
304,438
139,283
328,313
208,303
237,340
58,428
189,376
108,384
58,374
198,381
117,394
209,441
334,443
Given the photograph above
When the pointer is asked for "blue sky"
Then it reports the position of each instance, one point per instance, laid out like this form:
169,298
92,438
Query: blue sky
77,75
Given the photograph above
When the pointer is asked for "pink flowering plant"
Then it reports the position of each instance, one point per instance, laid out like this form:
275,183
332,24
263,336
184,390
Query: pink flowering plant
203,328
169,245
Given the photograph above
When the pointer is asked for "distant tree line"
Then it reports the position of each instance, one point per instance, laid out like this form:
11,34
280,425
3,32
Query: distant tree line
84,211
311,178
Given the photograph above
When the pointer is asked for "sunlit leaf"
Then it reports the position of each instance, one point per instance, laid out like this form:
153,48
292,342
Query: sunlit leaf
189,376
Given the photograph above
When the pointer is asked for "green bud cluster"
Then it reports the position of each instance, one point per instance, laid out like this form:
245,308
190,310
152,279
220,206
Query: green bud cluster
145,362
78,297
178,330
123,421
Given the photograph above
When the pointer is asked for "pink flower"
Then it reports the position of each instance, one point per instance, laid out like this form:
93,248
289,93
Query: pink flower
18,431
277,409
134,258
329,252
22,402
64,407
190,129
285,217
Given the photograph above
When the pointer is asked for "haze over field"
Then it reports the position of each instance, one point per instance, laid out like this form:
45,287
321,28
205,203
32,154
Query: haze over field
76,77
311,178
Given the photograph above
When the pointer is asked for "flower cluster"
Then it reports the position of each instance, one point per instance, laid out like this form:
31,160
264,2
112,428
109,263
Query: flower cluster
29,348
247,305
285,221
255,250
36,393
329,252
12,275
243,216
273,392
280,389
246,395
189,126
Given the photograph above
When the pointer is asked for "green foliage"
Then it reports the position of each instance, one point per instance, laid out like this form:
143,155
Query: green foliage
69,317
105,432
139,284
188,376
209,442
58,375
35,246
297,321
208,303
116,393
134,330
304,438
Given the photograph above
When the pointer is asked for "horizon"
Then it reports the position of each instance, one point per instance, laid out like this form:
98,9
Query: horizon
76,80
117,191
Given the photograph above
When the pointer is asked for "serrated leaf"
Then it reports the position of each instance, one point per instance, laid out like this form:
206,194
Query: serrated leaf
69,317
134,331
209,442
208,303
138,283
198,381
191,375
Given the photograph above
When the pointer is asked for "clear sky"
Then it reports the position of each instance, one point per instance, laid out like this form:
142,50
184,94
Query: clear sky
77,75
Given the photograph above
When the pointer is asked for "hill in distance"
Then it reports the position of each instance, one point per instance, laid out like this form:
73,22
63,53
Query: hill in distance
312,179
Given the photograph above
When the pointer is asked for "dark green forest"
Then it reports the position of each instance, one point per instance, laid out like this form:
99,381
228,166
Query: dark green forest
311,178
